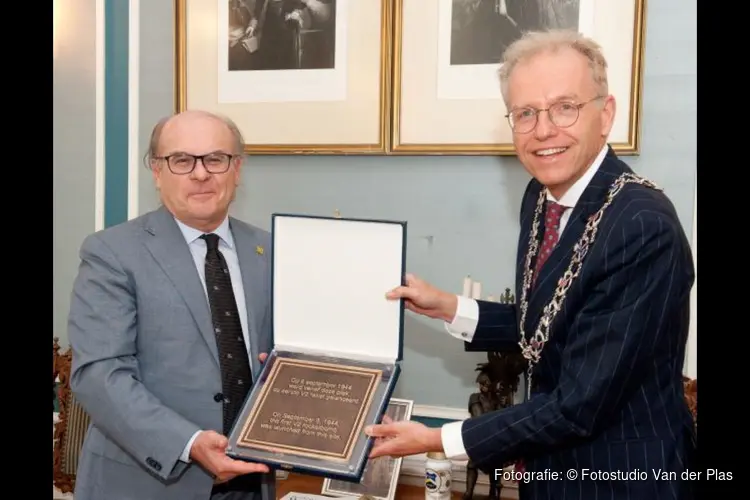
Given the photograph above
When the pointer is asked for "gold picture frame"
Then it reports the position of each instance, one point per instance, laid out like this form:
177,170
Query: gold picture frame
442,106
340,106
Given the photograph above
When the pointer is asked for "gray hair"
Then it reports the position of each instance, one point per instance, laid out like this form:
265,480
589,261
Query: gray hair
153,143
535,42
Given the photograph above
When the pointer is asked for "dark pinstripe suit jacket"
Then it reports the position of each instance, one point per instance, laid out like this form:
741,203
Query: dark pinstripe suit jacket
609,393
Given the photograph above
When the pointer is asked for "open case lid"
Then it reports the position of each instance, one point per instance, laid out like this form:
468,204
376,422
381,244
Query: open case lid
330,277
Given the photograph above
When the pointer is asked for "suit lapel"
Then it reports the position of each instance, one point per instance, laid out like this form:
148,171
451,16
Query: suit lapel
168,247
591,200
253,282
527,220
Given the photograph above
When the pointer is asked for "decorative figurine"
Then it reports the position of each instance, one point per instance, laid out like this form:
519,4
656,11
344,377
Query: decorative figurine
507,297
498,382
484,401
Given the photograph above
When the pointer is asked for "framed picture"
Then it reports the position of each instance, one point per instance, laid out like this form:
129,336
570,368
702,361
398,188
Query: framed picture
446,91
297,76
380,478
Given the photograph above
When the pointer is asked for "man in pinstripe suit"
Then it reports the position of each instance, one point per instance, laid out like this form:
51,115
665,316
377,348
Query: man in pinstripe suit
604,272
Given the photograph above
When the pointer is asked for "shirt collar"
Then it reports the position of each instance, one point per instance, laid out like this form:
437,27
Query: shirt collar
191,234
572,195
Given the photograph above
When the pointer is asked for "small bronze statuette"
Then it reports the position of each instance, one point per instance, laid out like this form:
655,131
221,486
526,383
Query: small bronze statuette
497,381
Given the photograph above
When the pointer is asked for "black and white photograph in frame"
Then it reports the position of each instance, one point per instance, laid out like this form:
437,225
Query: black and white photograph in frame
281,34
473,34
435,80
482,29
315,107
380,478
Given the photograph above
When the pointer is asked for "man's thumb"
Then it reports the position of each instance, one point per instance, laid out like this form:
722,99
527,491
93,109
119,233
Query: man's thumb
218,441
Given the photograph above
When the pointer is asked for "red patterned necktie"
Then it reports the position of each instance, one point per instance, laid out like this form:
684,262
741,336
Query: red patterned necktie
551,235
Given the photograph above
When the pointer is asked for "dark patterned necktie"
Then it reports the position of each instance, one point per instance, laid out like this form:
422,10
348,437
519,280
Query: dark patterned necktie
236,378
552,218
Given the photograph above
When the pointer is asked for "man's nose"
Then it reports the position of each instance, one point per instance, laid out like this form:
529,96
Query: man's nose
544,126
199,172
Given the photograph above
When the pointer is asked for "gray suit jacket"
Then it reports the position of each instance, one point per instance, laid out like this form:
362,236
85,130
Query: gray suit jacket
145,360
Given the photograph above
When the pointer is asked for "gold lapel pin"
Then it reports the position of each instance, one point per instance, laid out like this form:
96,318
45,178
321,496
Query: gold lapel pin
259,250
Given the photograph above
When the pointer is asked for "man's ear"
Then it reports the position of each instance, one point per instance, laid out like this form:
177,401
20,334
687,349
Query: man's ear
237,169
608,115
156,173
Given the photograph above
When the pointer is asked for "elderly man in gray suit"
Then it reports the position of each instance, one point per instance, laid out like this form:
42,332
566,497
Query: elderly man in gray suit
169,321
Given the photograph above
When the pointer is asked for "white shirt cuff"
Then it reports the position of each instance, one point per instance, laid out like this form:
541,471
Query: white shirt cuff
453,441
186,452
464,324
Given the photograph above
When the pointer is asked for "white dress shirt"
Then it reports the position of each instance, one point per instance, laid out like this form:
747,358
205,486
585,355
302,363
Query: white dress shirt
465,321
197,247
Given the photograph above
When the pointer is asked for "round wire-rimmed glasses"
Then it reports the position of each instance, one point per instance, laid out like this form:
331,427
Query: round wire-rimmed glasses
562,114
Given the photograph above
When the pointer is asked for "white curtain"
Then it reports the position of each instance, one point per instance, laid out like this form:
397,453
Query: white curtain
691,356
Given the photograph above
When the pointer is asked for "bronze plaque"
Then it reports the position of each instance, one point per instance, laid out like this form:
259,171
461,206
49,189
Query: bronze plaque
310,408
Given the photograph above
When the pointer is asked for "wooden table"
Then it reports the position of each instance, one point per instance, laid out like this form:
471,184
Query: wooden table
310,484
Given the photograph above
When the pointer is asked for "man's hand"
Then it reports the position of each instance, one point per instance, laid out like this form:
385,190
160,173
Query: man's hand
209,450
399,439
423,298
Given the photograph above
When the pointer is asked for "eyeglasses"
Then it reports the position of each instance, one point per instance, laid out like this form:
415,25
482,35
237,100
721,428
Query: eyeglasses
562,114
183,163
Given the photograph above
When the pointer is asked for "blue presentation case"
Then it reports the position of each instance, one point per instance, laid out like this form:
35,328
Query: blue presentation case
329,280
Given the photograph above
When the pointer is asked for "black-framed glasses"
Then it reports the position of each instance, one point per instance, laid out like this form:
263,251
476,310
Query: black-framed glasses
562,114
183,163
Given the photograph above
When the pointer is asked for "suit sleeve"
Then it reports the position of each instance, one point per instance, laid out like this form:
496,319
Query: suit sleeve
497,328
610,343
105,375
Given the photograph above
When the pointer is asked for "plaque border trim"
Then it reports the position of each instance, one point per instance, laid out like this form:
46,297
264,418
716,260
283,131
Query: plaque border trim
242,442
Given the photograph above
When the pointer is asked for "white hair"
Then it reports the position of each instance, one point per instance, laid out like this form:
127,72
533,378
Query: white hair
536,42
